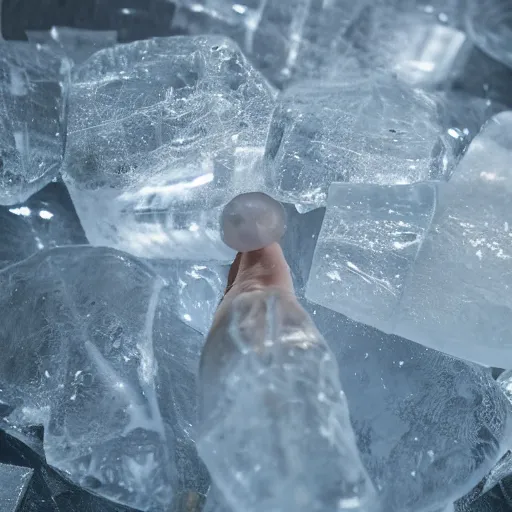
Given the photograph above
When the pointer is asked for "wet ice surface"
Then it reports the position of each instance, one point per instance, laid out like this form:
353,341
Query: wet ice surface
149,174
88,374
263,373
14,485
429,427
367,128
32,83
430,262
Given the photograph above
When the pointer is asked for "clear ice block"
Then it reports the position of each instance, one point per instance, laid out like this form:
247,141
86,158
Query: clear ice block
33,83
367,246
458,298
422,42
428,426
368,128
489,24
14,481
443,281
275,430
77,338
45,220
158,140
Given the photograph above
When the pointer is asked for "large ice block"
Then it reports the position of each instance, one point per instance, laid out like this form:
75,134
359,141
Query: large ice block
489,24
458,298
429,426
45,220
368,128
33,83
367,246
78,358
287,41
14,481
158,138
275,429
441,278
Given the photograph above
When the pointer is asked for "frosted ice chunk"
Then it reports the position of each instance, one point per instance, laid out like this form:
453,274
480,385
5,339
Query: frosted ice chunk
366,129
263,373
159,133
489,25
286,40
77,44
252,221
14,481
32,88
79,359
368,244
44,221
429,427
458,298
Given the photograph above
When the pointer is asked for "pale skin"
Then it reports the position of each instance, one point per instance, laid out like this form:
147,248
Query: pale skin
252,271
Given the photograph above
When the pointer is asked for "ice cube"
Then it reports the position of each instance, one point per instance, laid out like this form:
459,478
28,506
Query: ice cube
33,81
275,432
458,296
445,283
44,221
419,41
490,27
287,41
156,129
14,482
368,244
429,426
369,128
79,359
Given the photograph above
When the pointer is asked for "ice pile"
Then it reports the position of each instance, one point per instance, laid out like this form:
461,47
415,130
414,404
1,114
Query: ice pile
390,142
